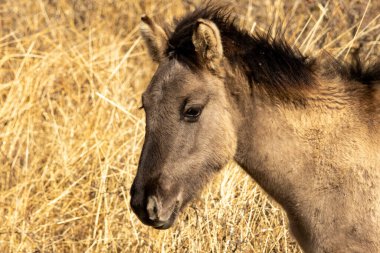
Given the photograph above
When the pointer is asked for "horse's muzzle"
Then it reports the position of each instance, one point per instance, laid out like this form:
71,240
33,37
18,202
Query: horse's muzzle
154,212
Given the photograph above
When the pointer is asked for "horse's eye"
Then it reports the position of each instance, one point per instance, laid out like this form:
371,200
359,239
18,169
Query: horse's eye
192,114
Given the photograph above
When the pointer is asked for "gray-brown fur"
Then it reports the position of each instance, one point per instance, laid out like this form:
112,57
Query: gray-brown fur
307,133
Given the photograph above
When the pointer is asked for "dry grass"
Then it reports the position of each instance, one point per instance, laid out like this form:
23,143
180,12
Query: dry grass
71,76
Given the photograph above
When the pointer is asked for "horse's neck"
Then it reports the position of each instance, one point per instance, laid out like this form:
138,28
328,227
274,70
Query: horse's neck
309,159
291,151
270,149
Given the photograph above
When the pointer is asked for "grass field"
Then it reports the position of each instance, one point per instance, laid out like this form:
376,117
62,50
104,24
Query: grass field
71,76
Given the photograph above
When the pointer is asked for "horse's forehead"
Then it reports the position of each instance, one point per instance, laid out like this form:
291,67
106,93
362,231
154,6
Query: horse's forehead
170,76
167,73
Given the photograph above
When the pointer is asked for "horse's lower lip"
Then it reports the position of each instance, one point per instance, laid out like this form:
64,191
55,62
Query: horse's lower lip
163,226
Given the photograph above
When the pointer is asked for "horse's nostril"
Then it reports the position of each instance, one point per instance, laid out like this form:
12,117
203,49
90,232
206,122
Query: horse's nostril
153,208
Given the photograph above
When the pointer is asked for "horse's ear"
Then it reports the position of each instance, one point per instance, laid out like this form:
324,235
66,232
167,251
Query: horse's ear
155,38
207,42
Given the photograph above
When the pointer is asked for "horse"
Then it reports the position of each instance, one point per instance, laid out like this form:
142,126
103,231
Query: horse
306,130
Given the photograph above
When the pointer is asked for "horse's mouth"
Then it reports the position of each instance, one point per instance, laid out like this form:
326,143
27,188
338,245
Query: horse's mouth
161,225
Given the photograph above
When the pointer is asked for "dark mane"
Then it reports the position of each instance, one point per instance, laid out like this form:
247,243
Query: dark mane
266,61
358,71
